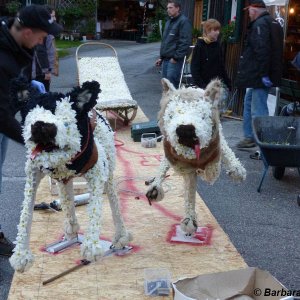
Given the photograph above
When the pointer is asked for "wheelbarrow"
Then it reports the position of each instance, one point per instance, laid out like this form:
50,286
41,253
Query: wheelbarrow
278,138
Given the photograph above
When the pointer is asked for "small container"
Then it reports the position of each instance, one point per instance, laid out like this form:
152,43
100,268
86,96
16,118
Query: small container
81,199
148,140
157,282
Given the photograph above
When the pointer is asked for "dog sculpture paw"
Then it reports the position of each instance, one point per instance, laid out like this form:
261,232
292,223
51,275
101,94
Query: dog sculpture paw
120,241
238,173
155,193
189,225
21,260
71,230
91,251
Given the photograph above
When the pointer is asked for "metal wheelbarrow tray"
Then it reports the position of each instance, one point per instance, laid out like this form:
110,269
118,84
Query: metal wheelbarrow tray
278,138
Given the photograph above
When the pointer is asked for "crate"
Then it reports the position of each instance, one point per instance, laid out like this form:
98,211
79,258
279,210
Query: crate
138,129
278,138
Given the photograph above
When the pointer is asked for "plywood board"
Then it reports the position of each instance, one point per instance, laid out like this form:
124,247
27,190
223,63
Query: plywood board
113,278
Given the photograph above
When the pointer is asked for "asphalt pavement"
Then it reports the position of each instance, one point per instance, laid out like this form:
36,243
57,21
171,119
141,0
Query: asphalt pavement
264,227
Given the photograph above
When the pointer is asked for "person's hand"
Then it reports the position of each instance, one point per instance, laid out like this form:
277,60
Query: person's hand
267,81
173,61
38,86
158,62
48,76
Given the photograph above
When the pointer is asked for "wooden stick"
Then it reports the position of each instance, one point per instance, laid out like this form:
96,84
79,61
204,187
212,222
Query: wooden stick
83,263
232,117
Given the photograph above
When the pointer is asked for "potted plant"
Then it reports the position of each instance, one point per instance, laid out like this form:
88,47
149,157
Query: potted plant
227,31
13,7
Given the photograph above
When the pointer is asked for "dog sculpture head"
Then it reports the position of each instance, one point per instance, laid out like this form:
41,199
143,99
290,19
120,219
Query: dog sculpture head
189,117
55,128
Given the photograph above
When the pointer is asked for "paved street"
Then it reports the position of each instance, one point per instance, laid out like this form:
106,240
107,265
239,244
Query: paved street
265,227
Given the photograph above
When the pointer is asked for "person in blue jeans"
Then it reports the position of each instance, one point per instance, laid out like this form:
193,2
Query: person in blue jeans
176,40
18,36
255,104
260,66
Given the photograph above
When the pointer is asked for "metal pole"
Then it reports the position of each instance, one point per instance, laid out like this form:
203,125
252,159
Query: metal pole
96,14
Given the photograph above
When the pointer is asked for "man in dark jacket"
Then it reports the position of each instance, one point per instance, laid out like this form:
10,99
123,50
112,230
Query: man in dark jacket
17,37
176,40
260,66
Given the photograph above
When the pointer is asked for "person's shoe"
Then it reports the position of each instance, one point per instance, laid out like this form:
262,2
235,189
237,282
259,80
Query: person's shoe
6,246
246,143
256,155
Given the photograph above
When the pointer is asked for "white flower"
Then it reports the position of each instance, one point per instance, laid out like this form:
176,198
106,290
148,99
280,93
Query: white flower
199,114
114,90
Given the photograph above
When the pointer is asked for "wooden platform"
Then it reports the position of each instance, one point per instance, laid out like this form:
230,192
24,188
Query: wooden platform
113,277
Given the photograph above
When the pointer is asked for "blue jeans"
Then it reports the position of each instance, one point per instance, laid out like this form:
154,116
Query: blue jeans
172,71
255,104
3,149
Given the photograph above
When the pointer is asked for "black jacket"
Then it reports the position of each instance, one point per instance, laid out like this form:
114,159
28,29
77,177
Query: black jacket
14,60
207,64
262,55
177,38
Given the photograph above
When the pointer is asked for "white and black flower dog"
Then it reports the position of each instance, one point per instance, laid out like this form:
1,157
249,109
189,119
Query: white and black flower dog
193,143
64,138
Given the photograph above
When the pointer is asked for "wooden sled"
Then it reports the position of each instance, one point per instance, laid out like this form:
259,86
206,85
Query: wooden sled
105,68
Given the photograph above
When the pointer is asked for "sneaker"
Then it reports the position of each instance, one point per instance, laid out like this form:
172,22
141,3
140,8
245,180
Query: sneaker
6,246
246,143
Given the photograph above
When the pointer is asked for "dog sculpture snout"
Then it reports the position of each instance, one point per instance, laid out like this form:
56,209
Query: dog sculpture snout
43,133
187,135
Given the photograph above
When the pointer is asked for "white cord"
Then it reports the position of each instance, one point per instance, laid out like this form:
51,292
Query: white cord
122,179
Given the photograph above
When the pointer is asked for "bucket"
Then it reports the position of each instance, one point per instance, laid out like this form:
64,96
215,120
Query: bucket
148,140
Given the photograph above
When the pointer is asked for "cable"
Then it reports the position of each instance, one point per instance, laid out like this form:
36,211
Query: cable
166,186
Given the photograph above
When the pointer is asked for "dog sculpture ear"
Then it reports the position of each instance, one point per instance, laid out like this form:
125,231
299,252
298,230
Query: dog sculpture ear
87,95
214,91
167,85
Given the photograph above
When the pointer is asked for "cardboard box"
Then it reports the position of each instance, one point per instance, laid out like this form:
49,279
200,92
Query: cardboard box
250,282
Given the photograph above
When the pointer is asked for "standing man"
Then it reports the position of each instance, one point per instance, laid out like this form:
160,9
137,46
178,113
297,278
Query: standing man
260,66
45,59
176,40
17,38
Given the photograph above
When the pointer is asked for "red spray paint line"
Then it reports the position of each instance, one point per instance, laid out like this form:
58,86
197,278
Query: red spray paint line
132,187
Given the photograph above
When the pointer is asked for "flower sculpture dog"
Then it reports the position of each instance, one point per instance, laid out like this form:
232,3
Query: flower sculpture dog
193,143
64,138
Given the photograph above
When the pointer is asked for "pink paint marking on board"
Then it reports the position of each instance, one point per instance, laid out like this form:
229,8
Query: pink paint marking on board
130,185
202,236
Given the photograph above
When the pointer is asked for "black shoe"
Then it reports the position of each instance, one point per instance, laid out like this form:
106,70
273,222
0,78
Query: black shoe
256,155
246,143
6,246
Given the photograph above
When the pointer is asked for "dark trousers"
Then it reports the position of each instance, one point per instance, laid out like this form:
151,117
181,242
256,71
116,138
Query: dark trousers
45,82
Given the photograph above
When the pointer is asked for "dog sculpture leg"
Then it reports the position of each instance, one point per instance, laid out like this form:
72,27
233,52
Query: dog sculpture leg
234,167
122,236
66,196
189,223
155,191
22,259
91,248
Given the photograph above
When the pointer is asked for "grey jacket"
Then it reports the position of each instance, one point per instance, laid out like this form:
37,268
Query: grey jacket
44,57
177,38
